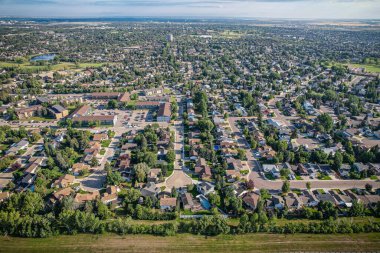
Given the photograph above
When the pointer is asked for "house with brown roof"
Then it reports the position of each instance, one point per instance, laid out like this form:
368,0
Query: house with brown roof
100,137
293,202
189,203
251,200
168,204
60,194
153,175
81,198
64,181
79,167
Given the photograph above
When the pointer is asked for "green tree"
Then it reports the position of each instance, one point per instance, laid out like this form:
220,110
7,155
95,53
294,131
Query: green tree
140,171
325,121
338,160
114,178
285,186
112,104
170,156
94,162
357,209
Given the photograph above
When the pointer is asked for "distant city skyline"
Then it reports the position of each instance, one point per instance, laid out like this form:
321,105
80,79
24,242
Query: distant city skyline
287,9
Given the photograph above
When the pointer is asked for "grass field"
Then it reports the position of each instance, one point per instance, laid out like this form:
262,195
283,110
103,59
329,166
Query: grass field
231,34
39,119
56,67
371,68
190,243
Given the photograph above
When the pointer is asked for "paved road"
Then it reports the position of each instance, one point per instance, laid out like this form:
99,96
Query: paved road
27,124
96,180
260,182
178,178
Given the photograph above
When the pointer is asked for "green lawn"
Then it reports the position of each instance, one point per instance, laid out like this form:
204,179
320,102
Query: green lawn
371,68
39,119
190,243
324,177
106,143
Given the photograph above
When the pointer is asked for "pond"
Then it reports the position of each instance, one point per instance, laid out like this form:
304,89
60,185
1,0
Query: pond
43,57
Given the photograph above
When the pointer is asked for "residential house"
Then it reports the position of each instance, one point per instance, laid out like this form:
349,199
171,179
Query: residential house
82,198
251,200
272,169
100,137
64,181
205,187
150,190
168,204
293,202
189,203
60,194
79,167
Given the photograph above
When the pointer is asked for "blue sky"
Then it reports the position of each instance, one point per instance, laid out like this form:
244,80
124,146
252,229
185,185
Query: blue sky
324,9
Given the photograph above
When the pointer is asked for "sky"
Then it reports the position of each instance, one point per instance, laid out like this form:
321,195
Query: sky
289,9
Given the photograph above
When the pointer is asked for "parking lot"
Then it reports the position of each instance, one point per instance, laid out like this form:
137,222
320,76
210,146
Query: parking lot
135,118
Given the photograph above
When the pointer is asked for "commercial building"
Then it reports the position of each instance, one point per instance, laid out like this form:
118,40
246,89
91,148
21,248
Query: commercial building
96,119
58,112
164,113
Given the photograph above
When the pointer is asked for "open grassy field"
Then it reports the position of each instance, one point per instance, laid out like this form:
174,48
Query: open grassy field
231,34
190,243
56,67
371,68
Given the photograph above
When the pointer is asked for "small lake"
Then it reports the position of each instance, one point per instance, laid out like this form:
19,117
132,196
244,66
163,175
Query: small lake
43,57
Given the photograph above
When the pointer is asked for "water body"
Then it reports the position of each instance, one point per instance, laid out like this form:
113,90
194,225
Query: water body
43,57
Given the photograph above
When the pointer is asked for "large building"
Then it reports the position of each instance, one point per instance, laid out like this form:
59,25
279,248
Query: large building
153,92
105,95
81,111
164,113
170,37
122,97
58,112
25,113
125,97
94,119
